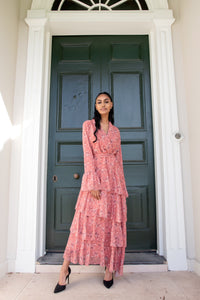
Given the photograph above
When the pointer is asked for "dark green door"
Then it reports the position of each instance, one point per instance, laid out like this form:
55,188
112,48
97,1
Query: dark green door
82,66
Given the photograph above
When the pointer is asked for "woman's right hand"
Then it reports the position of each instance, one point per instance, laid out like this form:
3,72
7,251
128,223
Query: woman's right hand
95,194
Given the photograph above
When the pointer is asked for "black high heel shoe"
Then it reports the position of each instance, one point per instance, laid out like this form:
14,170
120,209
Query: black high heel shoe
59,288
108,283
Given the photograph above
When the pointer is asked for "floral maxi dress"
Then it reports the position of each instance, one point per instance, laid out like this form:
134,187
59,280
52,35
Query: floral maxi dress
98,230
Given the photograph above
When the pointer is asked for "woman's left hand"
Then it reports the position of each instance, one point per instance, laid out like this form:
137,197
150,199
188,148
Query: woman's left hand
95,194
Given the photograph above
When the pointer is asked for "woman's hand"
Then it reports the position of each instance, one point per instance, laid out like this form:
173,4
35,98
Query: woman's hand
95,194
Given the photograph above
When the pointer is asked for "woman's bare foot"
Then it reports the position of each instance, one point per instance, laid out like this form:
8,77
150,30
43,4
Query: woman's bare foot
108,275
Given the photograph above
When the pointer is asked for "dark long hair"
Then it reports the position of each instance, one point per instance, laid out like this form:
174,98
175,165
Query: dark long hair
97,116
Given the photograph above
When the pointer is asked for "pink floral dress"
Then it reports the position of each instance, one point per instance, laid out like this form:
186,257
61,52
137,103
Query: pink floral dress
98,230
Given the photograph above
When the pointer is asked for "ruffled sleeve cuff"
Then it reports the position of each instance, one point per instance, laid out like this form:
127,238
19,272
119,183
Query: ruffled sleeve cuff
90,181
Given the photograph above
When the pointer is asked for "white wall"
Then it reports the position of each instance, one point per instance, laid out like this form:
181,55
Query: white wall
16,143
186,44
9,14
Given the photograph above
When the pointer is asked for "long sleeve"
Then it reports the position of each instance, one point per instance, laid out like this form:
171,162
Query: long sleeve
119,157
90,180
120,164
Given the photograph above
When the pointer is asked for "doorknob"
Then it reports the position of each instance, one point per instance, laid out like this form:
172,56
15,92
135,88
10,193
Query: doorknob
76,176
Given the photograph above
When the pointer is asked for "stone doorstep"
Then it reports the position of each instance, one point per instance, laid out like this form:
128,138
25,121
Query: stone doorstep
98,269
134,262
131,258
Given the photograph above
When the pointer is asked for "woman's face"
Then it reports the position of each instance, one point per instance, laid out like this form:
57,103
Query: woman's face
103,104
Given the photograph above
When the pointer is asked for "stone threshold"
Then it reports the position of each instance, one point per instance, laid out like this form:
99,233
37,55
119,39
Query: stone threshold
99,269
134,262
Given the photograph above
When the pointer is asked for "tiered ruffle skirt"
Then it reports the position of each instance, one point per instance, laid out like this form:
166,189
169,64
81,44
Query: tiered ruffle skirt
98,231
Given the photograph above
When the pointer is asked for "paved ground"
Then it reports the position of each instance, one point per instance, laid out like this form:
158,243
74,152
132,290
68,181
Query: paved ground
136,286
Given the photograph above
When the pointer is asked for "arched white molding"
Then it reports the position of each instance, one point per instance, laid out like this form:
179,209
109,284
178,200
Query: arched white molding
47,4
42,4
99,5
157,4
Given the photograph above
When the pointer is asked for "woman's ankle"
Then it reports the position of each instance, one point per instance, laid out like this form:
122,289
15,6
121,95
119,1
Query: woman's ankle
65,270
65,264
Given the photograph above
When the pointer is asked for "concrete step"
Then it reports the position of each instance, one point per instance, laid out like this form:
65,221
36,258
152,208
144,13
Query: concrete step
134,262
98,269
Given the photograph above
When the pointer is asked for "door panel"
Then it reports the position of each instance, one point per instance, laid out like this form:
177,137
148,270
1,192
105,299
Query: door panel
127,88
73,110
130,86
81,68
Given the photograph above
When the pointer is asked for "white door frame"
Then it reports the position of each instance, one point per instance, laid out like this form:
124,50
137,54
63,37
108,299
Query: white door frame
168,173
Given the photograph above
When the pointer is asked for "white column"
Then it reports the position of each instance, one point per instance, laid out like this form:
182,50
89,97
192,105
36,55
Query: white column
29,176
165,107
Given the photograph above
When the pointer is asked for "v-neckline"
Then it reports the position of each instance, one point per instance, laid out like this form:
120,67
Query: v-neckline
106,133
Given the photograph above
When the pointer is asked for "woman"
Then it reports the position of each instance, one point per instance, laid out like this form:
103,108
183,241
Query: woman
98,231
